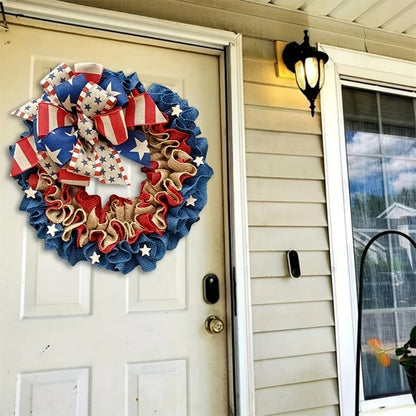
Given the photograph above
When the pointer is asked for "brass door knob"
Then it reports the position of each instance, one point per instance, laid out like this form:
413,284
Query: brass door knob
214,325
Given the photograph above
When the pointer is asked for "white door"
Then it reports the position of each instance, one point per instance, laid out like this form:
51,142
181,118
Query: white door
81,340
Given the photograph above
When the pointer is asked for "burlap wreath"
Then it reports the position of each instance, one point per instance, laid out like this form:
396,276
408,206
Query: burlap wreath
87,120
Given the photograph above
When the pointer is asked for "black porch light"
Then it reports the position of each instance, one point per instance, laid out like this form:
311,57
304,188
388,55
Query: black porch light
308,65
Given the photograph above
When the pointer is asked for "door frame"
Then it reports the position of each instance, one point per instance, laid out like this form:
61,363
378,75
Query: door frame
218,42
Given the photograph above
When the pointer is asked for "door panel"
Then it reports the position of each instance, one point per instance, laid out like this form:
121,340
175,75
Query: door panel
48,393
81,340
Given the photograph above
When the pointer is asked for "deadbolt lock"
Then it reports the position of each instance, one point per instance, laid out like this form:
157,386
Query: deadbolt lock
214,325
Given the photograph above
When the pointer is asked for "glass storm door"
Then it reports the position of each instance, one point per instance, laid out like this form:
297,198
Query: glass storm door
381,155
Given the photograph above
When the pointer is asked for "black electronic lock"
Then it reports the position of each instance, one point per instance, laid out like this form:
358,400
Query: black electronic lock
211,289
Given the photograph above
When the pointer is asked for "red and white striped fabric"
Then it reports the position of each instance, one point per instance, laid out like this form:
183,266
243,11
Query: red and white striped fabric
25,155
71,178
112,125
142,110
51,117
91,70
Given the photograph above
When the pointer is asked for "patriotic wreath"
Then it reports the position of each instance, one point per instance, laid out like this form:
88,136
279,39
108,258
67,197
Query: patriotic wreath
87,120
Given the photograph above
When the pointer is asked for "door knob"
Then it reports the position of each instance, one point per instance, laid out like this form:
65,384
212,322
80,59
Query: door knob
214,325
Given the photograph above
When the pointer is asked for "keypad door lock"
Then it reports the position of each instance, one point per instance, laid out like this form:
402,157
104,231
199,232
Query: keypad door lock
211,289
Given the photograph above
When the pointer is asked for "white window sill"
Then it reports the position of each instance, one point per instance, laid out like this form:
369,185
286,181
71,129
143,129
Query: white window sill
392,406
397,411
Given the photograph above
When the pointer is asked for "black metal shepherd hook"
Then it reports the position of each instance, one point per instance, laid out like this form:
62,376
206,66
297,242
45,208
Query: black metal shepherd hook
360,301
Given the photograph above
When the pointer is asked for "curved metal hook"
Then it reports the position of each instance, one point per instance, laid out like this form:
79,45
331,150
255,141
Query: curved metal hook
360,301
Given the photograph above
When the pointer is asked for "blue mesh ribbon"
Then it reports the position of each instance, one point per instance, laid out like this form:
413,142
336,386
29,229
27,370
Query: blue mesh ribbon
149,248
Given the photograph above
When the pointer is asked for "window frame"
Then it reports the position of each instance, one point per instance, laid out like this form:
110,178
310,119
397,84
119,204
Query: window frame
383,74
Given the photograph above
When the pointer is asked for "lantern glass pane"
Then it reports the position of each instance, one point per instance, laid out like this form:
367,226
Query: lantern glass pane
312,71
300,75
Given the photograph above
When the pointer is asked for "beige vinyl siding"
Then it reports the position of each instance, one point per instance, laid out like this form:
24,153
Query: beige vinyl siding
314,264
293,319
315,394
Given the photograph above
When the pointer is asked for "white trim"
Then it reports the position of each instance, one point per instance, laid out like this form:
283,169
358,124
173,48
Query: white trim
345,313
381,407
72,14
376,69
381,69
109,20
240,238
350,82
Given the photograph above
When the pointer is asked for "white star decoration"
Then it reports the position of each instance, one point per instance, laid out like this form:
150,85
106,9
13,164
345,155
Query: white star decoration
145,250
199,160
71,133
54,155
110,91
141,148
67,103
52,230
30,193
176,110
95,258
191,201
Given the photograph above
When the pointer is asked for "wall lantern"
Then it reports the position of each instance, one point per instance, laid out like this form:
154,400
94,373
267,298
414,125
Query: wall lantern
308,65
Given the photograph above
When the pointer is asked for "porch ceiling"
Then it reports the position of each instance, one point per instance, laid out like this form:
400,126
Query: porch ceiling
396,16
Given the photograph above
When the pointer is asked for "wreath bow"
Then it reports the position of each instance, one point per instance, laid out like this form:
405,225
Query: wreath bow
82,122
